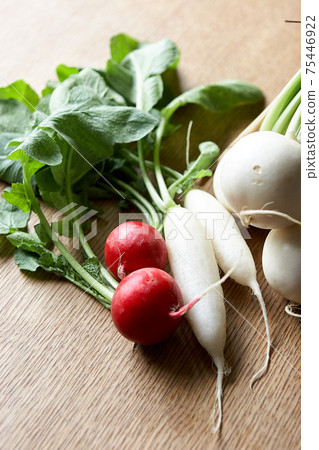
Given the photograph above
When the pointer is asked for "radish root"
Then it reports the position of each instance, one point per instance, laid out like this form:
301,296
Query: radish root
257,292
220,363
188,136
290,310
245,215
189,306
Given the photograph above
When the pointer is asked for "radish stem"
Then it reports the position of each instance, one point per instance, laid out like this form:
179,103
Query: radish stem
295,125
167,199
96,285
281,101
148,184
129,155
78,227
285,118
155,221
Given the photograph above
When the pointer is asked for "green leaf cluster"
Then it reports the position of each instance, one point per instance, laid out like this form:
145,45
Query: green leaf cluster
86,137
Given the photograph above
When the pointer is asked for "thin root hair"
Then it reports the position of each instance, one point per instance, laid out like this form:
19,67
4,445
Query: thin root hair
290,310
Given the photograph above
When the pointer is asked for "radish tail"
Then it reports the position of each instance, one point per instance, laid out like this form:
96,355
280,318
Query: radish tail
256,290
289,310
184,309
219,363
245,215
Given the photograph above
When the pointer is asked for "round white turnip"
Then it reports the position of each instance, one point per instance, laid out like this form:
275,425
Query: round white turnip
281,260
261,172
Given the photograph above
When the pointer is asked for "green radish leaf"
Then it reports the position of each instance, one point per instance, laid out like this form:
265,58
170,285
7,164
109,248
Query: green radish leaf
199,168
11,217
17,196
202,173
47,260
56,200
43,109
218,97
10,171
121,45
122,80
93,131
152,92
89,179
21,91
53,193
27,241
49,88
92,266
45,180
15,117
40,147
42,234
27,260
63,72
17,156
99,193
86,87
132,77
32,253
31,261
91,79
209,152
152,59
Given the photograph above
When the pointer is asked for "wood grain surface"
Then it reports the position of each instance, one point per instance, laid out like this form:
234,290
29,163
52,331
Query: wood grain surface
68,380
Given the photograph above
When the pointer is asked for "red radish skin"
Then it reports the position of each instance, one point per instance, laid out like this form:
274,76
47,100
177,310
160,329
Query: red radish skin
134,245
141,305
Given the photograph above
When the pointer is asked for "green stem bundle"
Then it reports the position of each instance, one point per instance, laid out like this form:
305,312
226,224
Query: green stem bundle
105,292
283,109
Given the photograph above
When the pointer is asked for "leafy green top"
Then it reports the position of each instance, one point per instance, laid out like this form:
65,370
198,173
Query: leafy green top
84,138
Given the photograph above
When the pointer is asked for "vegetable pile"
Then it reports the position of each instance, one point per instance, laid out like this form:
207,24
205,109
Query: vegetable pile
97,134
259,180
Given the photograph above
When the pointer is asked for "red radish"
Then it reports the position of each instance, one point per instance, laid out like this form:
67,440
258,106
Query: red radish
142,303
132,246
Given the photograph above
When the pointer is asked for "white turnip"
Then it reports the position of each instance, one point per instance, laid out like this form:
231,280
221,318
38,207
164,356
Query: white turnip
281,260
261,172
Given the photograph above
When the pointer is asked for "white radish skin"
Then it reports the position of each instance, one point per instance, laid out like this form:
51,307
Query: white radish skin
261,171
281,262
229,247
194,267
217,186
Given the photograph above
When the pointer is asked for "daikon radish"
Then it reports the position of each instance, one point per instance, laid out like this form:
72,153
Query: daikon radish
193,264
229,247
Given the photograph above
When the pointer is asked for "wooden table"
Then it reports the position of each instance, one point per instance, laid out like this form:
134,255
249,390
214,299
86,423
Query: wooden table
67,378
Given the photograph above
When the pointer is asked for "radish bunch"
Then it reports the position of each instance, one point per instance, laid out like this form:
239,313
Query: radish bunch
136,253
259,180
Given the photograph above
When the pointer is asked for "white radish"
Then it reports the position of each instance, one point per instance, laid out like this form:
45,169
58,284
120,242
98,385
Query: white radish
194,267
229,246
281,262
261,172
